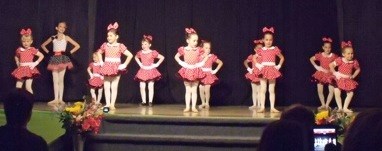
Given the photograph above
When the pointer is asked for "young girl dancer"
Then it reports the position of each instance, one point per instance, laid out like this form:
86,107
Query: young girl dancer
190,71
26,68
148,72
210,78
268,69
59,62
253,74
96,79
323,76
112,66
348,69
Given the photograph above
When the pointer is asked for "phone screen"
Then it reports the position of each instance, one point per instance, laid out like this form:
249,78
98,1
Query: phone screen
323,136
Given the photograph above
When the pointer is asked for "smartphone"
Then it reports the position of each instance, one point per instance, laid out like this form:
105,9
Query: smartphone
323,135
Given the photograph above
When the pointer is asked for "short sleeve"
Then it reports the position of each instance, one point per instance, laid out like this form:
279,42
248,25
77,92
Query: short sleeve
122,48
34,51
250,58
155,54
356,64
102,48
214,58
277,51
200,51
317,56
334,56
17,53
139,53
181,51
338,61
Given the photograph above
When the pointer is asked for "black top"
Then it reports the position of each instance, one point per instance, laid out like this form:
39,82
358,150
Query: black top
20,139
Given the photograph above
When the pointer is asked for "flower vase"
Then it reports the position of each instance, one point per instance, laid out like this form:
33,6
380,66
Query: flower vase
78,142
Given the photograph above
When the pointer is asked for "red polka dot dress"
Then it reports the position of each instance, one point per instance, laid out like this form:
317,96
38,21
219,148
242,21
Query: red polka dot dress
254,76
191,56
327,76
97,80
25,58
147,59
346,68
210,78
268,60
112,58
59,61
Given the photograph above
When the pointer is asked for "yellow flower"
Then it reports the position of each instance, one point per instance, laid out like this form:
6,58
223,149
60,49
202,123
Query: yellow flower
76,109
322,115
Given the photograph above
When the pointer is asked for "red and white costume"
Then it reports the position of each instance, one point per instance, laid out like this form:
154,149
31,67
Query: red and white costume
345,71
112,58
254,76
191,57
26,59
210,78
325,76
59,61
268,60
149,73
97,80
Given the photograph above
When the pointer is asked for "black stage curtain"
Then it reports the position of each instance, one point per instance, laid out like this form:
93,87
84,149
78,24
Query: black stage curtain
231,25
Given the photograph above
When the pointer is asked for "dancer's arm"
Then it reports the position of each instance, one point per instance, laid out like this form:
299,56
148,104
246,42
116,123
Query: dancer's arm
129,56
40,57
90,72
282,59
220,65
161,59
43,45
74,43
356,73
137,60
332,66
17,60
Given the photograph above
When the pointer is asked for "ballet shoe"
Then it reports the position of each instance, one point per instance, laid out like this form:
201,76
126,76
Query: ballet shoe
273,110
194,110
186,110
207,106
261,110
347,111
201,106
252,107
150,104
52,103
60,102
321,107
112,108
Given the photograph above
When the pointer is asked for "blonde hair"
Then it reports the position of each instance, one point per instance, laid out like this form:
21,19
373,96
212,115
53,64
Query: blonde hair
26,37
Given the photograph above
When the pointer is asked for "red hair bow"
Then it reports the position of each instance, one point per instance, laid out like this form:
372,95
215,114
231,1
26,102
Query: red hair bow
327,39
346,44
258,41
26,32
190,31
265,29
148,37
113,26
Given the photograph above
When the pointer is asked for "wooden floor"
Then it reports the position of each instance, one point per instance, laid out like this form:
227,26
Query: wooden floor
176,110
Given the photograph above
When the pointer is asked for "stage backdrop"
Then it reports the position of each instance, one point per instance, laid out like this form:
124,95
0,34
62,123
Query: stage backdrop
231,25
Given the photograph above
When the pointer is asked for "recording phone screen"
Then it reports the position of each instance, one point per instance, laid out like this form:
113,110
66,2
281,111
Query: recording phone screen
323,136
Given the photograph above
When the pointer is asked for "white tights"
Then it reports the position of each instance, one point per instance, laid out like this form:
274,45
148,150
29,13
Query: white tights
349,96
28,84
320,91
150,85
205,94
271,90
111,90
256,95
58,84
98,97
191,94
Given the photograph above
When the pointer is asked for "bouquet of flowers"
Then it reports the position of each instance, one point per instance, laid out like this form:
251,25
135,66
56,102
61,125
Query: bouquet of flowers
82,117
332,117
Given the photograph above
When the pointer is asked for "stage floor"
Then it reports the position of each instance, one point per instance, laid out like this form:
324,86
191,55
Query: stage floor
176,110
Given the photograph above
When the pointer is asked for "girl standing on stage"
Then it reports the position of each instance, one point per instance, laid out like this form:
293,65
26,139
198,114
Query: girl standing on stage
269,71
59,62
148,72
348,69
112,66
323,75
26,68
190,71
210,78
96,79
253,73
